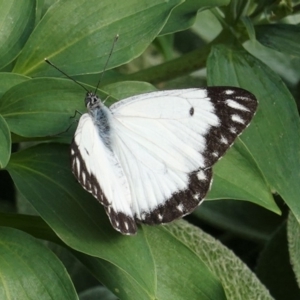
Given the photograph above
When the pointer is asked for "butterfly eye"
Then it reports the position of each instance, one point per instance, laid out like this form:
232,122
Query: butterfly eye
91,99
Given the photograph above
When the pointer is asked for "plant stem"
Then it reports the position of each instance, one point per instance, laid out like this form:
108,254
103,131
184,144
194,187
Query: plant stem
172,69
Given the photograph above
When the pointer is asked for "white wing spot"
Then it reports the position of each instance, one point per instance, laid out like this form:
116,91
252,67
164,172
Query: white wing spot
77,164
180,207
215,154
126,225
143,216
160,217
242,98
108,208
223,140
117,224
237,119
236,105
232,130
201,176
83,177
229,92
95,190
72,152
196,196
89,186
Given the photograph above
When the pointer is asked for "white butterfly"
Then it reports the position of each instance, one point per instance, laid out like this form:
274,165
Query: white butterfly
149,158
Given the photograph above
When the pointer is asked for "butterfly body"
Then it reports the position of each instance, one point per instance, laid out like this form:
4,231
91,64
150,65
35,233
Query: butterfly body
148,158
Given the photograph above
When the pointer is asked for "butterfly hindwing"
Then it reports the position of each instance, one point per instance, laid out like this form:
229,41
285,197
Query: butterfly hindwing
182,202
91,172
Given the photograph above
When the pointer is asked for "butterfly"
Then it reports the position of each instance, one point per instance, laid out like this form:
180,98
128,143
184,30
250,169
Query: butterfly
148,158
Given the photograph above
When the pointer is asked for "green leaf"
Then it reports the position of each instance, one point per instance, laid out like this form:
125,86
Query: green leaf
184,15
274,267
17,21
272,138
74,35
238,280
42,175
281,37
237,176
173,260
5,143
207,26
29,270
8,80
241,218
33,225
48,102
293,234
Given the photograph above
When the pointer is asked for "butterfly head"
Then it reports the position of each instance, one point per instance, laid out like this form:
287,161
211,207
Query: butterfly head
92,100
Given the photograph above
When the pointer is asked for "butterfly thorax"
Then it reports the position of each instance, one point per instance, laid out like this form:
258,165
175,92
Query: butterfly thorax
100,115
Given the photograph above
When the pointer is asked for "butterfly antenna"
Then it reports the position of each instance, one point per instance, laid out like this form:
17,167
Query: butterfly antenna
109,55
51,64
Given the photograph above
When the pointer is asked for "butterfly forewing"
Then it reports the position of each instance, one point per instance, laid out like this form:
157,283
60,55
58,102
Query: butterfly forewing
152,163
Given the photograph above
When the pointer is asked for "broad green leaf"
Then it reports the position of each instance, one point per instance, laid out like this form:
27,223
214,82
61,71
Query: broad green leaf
286,66
294,245
272,138
241,218
29,270
5,143
42,175
117,279
281,37
207,26
184,15
173,261
41,8
8,80
17,21
78,37
237,176
274,267
238,280
48,102
33,225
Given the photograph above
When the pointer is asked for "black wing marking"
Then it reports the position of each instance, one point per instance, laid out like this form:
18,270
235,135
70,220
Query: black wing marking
182,202
120,222
235,108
